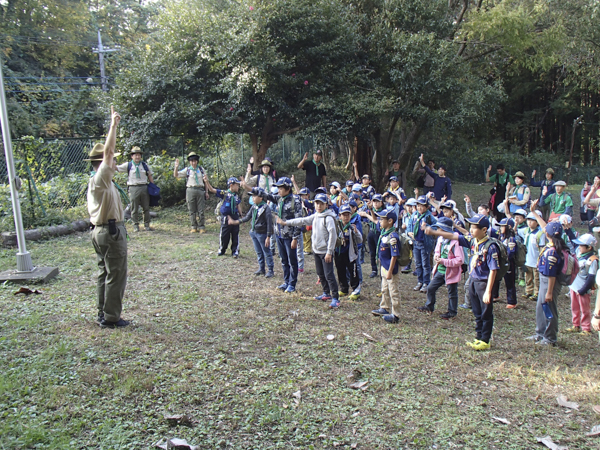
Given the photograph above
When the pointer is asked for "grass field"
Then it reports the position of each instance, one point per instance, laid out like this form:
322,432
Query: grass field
253,368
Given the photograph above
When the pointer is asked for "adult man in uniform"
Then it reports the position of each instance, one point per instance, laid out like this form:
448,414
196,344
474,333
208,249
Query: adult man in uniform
108,234
138,176
195,194
316,174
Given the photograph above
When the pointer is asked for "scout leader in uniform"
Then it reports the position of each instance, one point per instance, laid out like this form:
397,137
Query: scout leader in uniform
195,194
138,177
108,234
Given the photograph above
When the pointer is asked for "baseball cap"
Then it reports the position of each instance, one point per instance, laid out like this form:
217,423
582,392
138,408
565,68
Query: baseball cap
349,183
520,212
365,176
336,184
507,222
377,197
448,204
353,203
304,191
321,190
283,182
479,219
321,198
531,216
233,180
565,218
422,200
586,239
356,187
257,191
444,224
318,152
388,214
411,202
345,208
393,178
554,229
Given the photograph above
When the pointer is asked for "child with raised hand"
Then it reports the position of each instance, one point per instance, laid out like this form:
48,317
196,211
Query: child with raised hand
324,238
374,230
389,251
581,288
407,227
346,256
483,268
392,199
229,208
549,266
261,230
448,257
532,237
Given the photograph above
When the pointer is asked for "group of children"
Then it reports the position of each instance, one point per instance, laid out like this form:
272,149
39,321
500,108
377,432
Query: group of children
339,223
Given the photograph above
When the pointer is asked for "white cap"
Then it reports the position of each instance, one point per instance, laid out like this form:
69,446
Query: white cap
586,239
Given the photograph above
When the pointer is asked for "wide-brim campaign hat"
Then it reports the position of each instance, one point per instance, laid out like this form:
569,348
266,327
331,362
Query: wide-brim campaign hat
550,170
136,149
520,175
266,162
97,153
193,155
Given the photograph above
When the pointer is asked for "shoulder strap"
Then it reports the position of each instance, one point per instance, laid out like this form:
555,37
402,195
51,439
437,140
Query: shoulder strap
145,167
129,164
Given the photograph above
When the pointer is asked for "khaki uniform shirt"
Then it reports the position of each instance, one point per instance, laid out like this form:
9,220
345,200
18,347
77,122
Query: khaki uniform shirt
103,198
132,178
191,179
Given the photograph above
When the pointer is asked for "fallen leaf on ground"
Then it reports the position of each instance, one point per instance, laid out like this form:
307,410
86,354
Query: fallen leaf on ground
297,394
500,419
362,385
179,419
595,431
330,337
370,338
547,441
563,401
27,291
175,444
596,409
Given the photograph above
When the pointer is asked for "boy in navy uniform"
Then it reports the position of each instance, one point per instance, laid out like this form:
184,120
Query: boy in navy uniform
230,207
483,268
346,256
389,251
261,230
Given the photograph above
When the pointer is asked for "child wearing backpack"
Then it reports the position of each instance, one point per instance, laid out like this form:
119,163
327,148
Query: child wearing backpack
261,230
138,177
487,261
508,239
346,255
230,207
374,230
532,236
549,266
410,208
388,249
448,257
422,244
583,285
324,238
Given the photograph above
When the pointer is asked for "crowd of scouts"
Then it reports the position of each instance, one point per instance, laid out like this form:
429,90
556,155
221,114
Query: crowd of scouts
512,238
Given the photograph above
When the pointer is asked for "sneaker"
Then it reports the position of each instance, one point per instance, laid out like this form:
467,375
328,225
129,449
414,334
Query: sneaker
418,287
546,342
290,289
573,330
235,255
136,228
511,306
219,253
379,294
147,227
424,309
118,324
414,273
533,338
481,345
259,272
405,269
354,297
526,296
390,318
522,283
342,294
323,297
423,289
335,304
380,312
193,230
201,231
586,333
447,316
269,274
496,300
356,291
373,274
300,270
475,342
465,306
282,287
100,318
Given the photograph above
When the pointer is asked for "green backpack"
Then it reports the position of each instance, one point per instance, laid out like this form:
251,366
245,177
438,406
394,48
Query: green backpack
405,250
503,264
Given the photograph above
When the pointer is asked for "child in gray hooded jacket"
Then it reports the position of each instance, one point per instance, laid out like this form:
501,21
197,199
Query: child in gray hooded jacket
323,245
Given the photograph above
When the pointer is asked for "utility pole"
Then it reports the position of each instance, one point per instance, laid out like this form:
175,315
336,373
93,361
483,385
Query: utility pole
101,50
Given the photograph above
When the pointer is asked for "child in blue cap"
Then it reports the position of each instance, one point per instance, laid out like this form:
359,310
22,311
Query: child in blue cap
230,207
422,244
346,256
389,251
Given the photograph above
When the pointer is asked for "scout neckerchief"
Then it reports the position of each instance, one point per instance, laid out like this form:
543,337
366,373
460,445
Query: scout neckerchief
137,169
474,261
195,174
384,233
255,213
231,199
417,224
373,225
317,164
281,203
267,182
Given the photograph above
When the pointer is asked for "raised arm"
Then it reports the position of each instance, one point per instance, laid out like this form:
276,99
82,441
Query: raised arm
111,139
209,188
301,163
539,219
487,174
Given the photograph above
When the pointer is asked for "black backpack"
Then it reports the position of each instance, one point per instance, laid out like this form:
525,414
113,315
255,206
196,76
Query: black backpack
503,264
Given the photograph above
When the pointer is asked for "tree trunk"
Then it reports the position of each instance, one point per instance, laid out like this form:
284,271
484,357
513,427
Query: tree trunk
363,155
384,138
409,136
349,153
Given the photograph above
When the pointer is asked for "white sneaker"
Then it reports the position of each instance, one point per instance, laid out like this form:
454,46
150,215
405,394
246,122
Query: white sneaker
356,291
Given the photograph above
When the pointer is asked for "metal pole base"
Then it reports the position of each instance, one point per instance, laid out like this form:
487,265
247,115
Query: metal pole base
24,263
